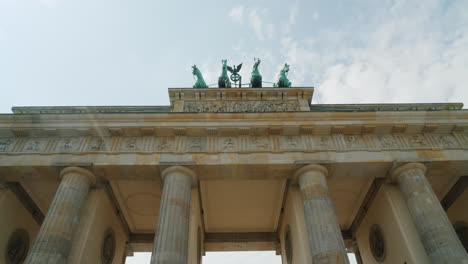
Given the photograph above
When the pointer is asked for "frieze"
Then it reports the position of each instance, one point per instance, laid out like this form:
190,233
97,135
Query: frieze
68,145
35,145
99,144
234,144
164,144
6,144
241,106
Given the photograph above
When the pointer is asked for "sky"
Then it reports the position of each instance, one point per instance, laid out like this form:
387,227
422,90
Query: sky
114,52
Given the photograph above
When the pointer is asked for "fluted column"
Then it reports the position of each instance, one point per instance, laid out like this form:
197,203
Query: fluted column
172,231
54,239
435,230
325,240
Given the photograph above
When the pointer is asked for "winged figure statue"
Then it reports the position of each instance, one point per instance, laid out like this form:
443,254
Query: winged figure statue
234,70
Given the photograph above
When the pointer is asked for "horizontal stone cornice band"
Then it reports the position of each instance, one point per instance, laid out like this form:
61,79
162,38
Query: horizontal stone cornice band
77,170
413,167
180,169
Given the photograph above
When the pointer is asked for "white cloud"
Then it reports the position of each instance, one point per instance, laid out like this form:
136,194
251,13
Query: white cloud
255,19
237,14
401,56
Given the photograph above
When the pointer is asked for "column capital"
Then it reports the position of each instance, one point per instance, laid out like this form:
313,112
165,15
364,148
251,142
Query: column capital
408,167
180,169
310,168
91,177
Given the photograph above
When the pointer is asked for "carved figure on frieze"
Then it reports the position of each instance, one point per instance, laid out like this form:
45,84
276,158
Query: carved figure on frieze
200,83
256,78
260,143
228,144
130,144
290,142
354,141
417,141
97,144
283,80
241,106
33,145
4,144
223,80
445,140
195,144
324,141
163,144
387,141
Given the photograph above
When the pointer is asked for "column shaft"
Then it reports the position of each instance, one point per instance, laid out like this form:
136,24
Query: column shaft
325,240
54,239
172,231
435,230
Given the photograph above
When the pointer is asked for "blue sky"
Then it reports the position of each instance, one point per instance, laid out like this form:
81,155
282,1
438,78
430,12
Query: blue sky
103,52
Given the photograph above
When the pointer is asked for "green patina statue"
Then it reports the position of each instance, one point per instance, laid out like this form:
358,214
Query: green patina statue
200,83
223,80
256,78
283,80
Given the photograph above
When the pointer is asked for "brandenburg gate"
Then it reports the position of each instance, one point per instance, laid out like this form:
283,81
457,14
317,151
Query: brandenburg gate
240,169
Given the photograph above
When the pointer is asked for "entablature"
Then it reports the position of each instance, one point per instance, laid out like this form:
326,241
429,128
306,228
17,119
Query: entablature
233,124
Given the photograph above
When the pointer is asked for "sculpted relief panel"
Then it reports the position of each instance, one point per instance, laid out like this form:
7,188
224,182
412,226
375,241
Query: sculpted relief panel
241,106
6,144
240,144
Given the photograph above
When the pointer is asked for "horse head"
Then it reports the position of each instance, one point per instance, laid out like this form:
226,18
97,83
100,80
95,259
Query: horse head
256,62
285,68
195,70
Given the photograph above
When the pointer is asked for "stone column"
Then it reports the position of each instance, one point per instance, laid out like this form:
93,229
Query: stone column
53,242
325,240
172,231
435,230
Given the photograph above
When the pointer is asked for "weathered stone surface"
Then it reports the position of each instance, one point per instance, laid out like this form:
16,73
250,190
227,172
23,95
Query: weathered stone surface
172,231
325,240
241,106
54,241
435,230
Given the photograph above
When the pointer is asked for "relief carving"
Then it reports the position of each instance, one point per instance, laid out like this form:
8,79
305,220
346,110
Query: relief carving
354,141
387,141
35,145
228,144
322,142
291,142
67,145
195,143
259,143
130,143
5,144
241,106
445,140
163,144
98,144
417,141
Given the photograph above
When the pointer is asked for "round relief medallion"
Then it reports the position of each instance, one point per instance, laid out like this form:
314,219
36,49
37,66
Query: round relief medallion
108,247
377,242
17,247
288,245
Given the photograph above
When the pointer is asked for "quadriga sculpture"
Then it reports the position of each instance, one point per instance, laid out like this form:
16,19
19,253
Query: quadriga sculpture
223,80
200,83
283,80
256,78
